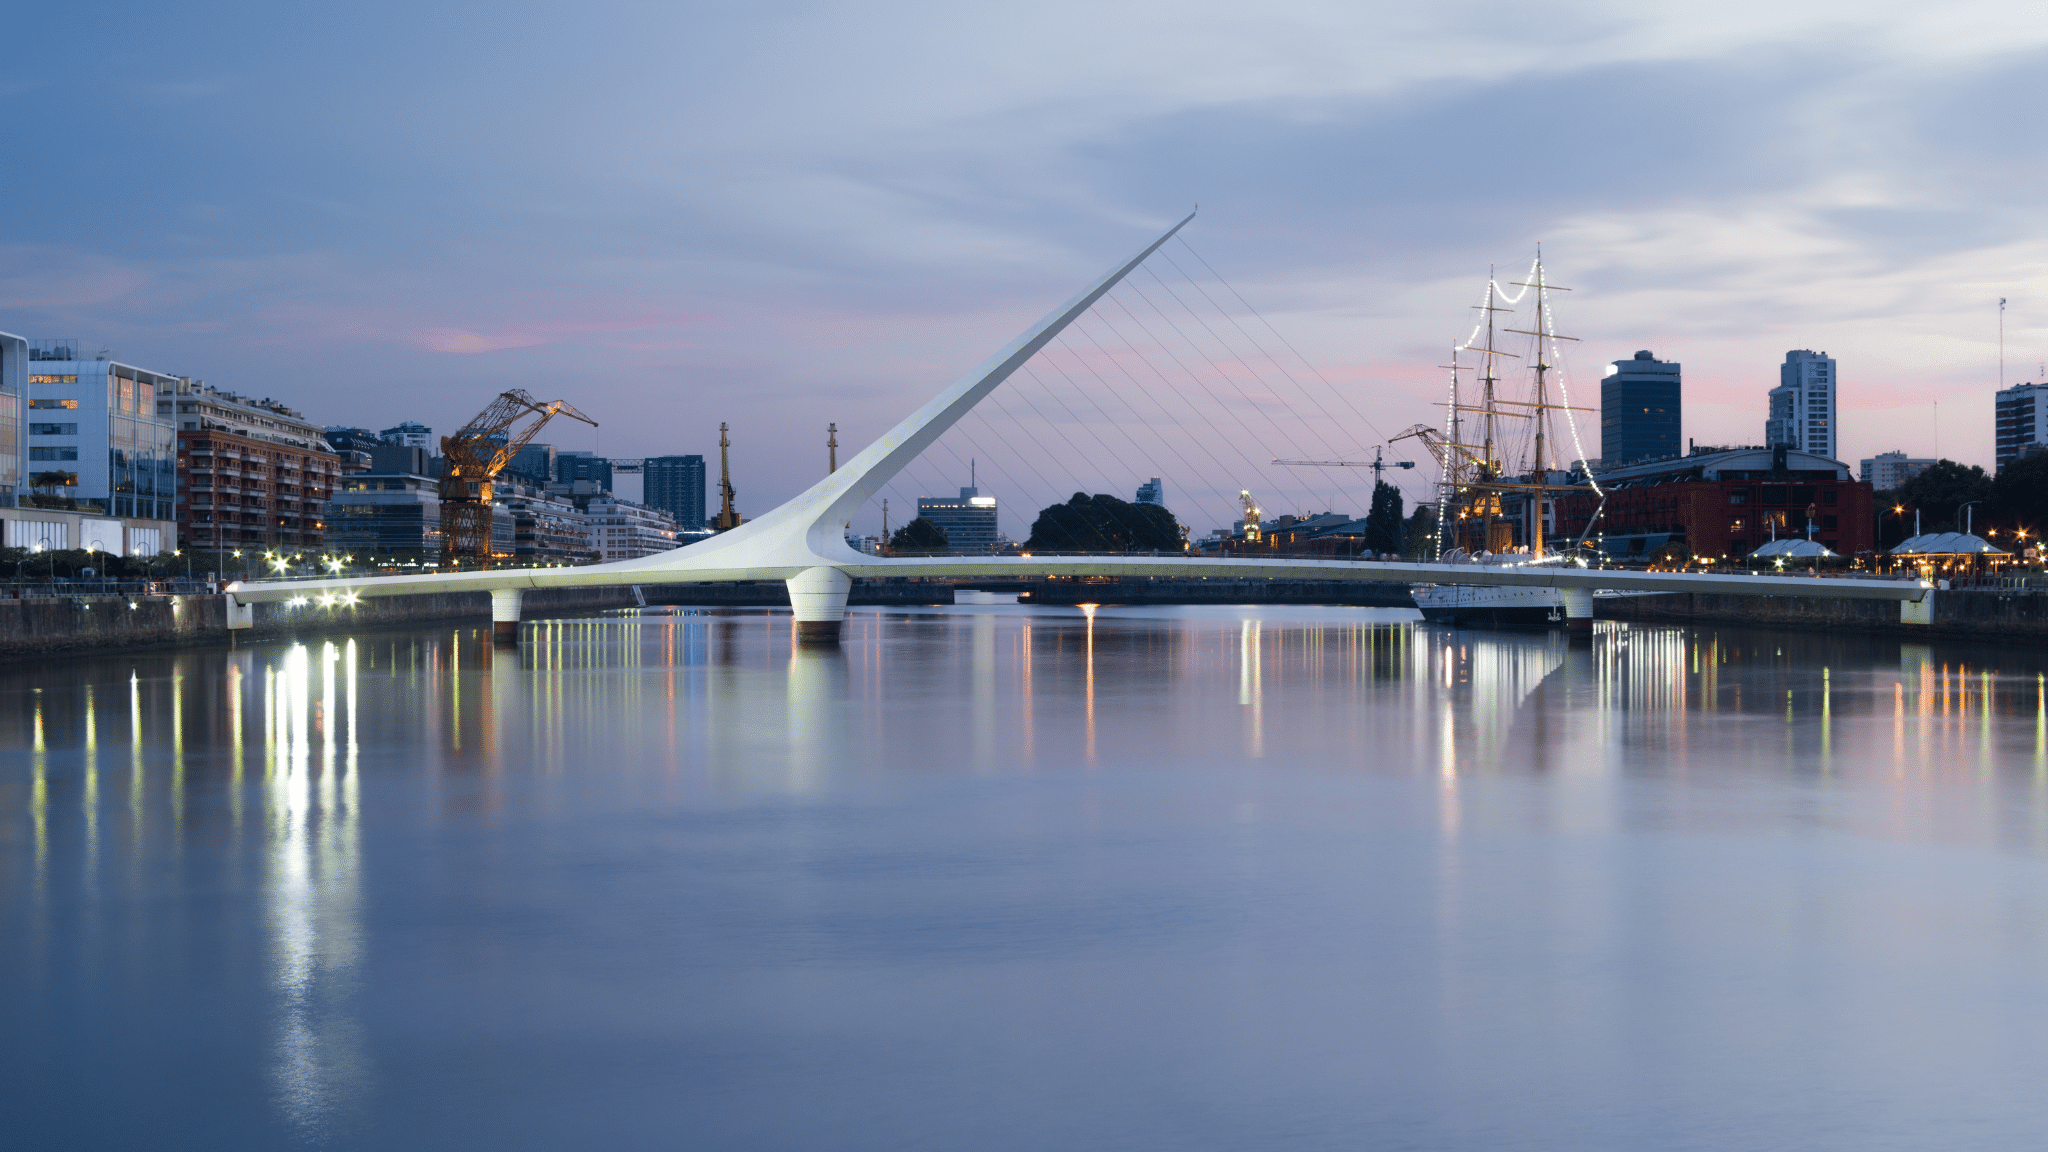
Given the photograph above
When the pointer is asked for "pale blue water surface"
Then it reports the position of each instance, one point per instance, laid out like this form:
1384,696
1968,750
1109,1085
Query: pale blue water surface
1001,878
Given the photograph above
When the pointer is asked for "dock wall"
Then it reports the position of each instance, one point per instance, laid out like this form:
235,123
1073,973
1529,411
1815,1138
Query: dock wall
55,624
1165,590
1987,614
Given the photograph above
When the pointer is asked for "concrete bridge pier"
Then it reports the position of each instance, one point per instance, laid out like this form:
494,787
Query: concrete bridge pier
819,597
505,615
1578,611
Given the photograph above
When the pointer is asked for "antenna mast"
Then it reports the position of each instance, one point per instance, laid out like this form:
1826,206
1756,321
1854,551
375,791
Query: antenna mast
831,448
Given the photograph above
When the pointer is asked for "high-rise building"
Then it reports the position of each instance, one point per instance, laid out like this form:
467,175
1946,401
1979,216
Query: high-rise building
1640,401
250,472
1152,491
969,522
675,484
13,384
587,467
1803,404
411,435
1887,470
536,462
2022,421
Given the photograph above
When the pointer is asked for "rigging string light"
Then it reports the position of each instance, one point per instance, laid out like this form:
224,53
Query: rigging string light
1550,327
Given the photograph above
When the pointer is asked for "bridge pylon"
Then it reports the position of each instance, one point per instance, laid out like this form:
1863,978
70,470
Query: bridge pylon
818,597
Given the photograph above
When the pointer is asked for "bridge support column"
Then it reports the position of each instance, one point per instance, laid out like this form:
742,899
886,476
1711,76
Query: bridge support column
505,615
1578,611
819,597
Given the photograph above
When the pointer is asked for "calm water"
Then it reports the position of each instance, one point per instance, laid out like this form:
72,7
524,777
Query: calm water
1001,878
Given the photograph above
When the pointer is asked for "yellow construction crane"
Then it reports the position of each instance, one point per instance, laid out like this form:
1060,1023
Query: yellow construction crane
471,461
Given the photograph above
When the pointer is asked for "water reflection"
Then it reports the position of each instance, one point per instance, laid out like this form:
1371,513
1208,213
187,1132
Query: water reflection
136,781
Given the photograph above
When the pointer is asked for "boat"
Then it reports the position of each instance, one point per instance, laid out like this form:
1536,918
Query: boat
1487,512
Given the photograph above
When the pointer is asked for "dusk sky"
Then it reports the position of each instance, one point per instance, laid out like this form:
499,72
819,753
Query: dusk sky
780,215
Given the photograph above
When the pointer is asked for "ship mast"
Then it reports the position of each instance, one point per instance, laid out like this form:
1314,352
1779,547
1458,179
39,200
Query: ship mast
1540,409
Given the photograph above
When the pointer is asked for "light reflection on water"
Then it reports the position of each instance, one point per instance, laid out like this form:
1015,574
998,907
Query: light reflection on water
1346,869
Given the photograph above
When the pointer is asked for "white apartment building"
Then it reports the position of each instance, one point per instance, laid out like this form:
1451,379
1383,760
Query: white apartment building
410,434
622,530
1803,404
1887,470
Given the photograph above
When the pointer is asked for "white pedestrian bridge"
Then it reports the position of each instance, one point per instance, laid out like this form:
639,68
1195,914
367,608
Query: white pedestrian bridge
802,542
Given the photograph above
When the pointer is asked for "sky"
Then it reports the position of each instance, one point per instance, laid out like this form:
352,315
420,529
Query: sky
782,215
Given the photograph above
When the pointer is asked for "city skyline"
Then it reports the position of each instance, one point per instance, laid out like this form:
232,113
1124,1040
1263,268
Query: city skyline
786,240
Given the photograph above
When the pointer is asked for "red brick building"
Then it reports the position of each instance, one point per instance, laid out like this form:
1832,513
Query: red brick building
252,474
1723,502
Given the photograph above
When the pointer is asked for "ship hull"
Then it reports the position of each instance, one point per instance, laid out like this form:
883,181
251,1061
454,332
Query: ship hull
1490,607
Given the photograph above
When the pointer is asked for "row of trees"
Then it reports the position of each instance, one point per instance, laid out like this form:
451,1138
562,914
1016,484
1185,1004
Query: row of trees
1103,523
2015,499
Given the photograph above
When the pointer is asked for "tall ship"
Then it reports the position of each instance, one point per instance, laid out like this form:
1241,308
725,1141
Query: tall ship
1499,481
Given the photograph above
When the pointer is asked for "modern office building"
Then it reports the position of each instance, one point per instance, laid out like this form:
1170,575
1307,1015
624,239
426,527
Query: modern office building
2022,421
1152,491
395,518
587,467
675,484
969,522
411,435
622,530
13,386
251,473
1640,406
99,460
535,462
1887,470
1803,405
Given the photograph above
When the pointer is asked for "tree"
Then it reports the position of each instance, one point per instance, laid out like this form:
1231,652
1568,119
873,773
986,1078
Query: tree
1421,542
1383,531
919,537
1939,491
1102,523
2019,496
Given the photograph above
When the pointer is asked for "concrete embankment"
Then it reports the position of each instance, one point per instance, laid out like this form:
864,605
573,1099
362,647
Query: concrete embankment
85,623
1985,613
1167,590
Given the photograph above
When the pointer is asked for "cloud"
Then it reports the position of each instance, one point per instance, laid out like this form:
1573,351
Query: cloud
705,213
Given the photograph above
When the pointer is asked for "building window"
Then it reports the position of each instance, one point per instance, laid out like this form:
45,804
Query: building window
1738,495
1735,525
53,429
53,453
55,380
67,405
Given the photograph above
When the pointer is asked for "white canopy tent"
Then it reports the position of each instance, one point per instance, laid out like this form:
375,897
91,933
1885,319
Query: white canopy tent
1793,549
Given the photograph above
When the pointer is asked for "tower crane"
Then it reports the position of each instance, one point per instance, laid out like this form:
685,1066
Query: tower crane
1377,465
474,456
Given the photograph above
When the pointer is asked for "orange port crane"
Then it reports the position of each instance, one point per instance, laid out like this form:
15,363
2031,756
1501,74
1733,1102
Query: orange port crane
472,459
